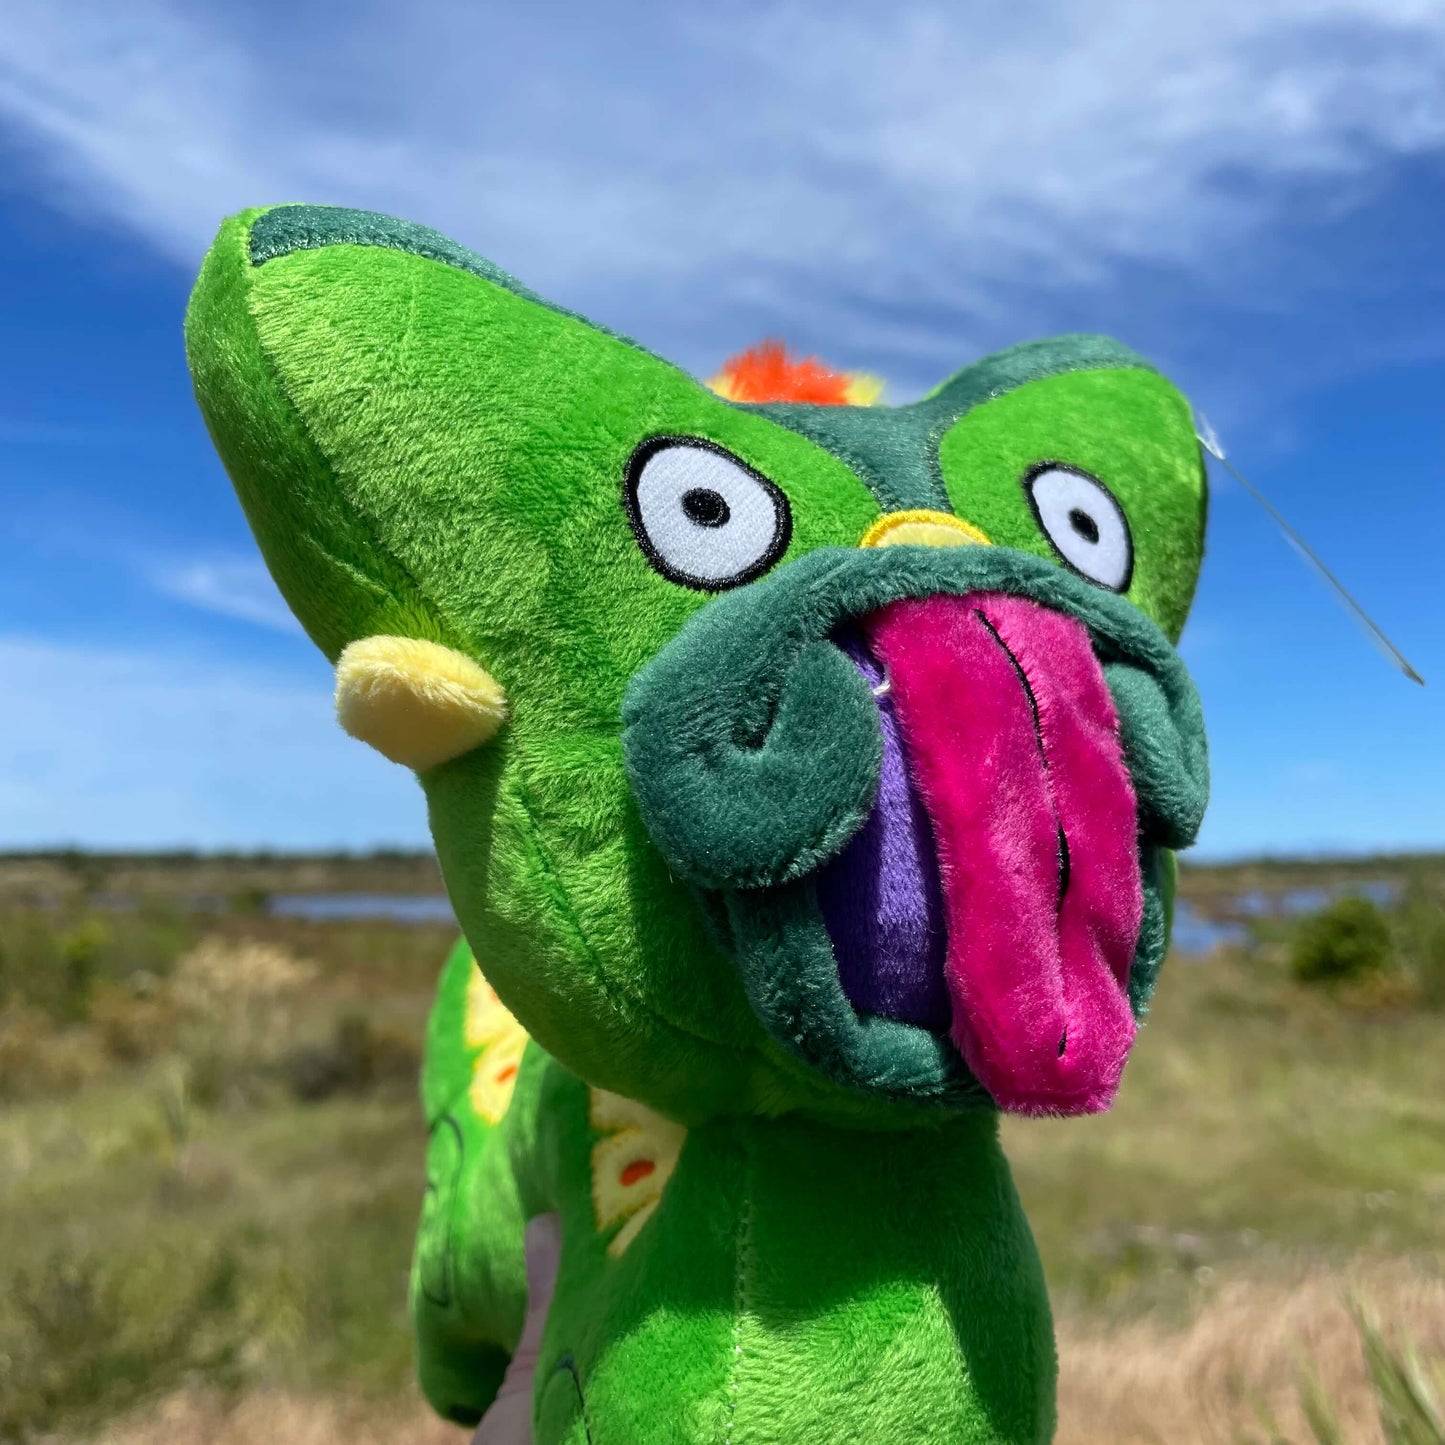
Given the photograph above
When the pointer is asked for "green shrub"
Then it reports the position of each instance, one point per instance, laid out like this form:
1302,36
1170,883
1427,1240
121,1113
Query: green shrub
1421,932
85,1339
56,961
357,1059
31,961
80,950
1347,941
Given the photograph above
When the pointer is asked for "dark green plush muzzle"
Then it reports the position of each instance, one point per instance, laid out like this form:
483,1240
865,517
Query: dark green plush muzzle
754,747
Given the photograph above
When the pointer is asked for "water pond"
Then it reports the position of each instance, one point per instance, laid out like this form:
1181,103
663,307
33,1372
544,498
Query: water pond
1195,933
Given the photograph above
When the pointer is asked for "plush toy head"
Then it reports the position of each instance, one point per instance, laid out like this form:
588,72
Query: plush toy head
778,756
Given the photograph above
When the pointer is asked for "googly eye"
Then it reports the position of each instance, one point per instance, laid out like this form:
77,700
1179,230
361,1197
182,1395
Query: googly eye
1083,522
703,518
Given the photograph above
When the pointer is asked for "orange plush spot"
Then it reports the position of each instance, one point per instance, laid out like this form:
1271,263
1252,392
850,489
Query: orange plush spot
767,373
510,1072
637,1169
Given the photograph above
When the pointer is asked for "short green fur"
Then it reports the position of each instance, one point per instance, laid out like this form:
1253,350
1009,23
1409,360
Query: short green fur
425,448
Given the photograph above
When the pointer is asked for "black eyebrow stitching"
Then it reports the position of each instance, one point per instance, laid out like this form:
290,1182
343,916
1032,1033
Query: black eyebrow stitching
1023,678
1065,862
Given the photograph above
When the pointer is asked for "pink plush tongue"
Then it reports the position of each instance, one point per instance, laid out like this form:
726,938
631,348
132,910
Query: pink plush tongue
1013,744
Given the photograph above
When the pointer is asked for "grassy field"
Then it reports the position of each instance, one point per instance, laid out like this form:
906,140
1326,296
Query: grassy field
210,1161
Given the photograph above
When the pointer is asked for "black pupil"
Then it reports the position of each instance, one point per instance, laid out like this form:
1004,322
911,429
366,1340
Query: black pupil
1083,524
705,507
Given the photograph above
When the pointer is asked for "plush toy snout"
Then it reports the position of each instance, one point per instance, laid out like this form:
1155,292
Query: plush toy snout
927,785
755,755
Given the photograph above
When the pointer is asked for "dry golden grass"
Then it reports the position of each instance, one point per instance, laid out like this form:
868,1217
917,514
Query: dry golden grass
220,974
275,1418
1136,1384
210,1174
1202,1384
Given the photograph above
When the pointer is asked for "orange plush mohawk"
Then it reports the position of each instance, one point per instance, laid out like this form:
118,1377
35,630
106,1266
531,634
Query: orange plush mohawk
766,372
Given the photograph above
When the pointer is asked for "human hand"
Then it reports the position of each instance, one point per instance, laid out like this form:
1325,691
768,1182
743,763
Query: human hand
509,1421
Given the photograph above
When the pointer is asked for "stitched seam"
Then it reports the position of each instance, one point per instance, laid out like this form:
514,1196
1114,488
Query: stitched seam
878,482
1040,742
477,266
365,522
1024,682
447,1297
611,988
741,1280
566,1363
950,418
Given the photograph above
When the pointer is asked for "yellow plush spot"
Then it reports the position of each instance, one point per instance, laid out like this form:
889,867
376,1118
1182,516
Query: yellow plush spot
631,1163
487,1017
497,1042
922,528
416,702
864,389
631,1229
722,385
494,1073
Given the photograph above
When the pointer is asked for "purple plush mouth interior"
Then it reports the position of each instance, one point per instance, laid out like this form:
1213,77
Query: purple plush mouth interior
881,898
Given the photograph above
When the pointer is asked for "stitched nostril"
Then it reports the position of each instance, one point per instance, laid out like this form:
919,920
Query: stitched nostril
752,748
750,734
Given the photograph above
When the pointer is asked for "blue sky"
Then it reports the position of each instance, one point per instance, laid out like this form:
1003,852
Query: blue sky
1251,195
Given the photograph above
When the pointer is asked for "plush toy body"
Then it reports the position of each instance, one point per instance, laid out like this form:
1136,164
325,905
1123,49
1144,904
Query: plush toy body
748,1279
805,778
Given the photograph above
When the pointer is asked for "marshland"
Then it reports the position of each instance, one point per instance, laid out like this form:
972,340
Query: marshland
211,1157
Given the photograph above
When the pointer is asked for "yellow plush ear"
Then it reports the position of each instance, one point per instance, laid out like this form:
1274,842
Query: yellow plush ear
416,702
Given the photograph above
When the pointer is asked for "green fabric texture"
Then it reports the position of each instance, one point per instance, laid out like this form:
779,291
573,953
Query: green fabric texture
785,1261
1126,425
285,229
895,450
1160,876
424,448
327,563
420,385
468,1281
743,784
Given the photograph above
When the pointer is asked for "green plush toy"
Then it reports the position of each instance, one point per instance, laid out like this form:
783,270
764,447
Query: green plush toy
805,779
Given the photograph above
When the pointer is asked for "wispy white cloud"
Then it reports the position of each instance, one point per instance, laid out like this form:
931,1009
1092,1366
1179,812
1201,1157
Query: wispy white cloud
120,749
894,185
220,580
238,587
843,167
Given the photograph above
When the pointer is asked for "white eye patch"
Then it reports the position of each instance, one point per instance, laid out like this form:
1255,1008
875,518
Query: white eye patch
1084,524
703,518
